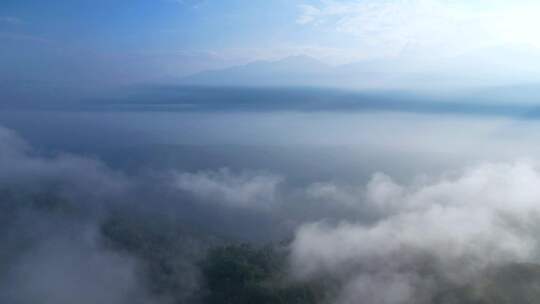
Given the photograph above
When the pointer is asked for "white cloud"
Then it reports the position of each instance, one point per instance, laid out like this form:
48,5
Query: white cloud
68,269
192,3
246,190
457,226
392,27
10,20
309,14
88,179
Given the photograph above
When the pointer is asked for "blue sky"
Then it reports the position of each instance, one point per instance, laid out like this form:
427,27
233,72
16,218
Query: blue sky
148,40
187,35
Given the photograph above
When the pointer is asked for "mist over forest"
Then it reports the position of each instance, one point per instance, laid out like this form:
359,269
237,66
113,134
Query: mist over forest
147,219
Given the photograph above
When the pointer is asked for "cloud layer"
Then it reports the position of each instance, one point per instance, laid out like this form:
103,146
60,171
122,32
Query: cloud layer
384,241
449,229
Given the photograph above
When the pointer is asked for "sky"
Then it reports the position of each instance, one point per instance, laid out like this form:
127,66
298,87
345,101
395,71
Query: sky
152,40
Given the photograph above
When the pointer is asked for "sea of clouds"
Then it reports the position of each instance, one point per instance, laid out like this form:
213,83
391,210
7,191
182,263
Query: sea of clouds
382,241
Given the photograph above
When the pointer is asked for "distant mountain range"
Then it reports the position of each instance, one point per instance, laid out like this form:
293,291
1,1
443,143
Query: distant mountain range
495,66
295,71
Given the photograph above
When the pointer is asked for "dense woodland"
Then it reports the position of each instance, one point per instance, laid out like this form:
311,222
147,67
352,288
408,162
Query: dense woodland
178,265
221,272
175,264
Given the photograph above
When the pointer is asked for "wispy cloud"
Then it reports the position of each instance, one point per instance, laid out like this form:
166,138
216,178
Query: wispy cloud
394,26
24,37
309,14
192,3
10,20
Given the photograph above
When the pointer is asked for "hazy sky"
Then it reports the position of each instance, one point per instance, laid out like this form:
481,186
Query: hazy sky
148,40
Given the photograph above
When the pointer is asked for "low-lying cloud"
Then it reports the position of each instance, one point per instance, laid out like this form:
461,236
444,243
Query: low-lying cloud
448,229
244,190
72,267
384,241
52,250
68,221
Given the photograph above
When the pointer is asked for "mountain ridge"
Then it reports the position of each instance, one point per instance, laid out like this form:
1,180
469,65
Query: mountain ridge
467,69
